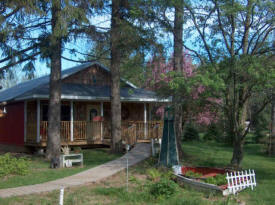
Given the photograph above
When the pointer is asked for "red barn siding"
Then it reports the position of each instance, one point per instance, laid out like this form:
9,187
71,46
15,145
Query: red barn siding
12,125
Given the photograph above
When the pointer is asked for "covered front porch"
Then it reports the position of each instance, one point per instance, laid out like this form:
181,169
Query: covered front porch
88,123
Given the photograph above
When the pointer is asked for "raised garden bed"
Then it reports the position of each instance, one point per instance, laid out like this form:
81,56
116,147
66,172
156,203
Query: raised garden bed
210,179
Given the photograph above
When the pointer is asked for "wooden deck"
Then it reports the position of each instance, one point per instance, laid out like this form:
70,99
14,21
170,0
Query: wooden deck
94,133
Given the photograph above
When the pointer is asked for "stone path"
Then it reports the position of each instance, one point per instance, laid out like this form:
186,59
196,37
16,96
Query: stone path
138,153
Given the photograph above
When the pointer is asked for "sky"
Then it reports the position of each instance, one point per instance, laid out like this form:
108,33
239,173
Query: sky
103,21
82,45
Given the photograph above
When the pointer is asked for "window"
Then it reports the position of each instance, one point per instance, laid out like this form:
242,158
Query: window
94,79
93,113
44,112
65,112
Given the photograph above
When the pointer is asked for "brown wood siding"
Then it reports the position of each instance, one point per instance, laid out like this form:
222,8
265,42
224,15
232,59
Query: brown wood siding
91,76
79,111
31,121
132,111
107,111
129,111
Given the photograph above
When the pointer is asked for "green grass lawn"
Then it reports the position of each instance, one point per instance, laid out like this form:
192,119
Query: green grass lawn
112,190
40,171
213,154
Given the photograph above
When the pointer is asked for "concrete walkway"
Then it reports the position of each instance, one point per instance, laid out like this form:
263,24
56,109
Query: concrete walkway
138,153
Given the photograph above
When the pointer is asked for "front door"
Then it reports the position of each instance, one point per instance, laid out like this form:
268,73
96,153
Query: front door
93,127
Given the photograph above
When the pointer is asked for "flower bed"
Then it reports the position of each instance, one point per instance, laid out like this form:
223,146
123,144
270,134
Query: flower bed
213,179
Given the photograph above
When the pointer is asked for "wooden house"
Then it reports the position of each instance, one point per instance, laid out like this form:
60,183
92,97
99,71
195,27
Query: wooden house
85,110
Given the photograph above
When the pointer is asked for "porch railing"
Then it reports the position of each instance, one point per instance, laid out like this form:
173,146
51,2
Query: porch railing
31,132
65,130
80,131
132,131
139,130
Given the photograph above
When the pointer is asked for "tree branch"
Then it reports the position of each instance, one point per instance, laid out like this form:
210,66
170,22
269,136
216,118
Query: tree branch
221,27
201,35
259,45
255,34
254,117
13,12
31,57
195,52
19,53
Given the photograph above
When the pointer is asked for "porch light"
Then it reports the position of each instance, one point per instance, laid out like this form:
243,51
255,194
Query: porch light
5,111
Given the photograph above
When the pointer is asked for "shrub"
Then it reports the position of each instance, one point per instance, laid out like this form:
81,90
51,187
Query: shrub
168,174
12,165
153,174
211,133
219,179
164,188
191,133
260,136
192,174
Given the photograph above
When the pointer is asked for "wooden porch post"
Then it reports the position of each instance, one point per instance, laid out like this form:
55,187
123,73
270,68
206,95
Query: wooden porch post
149,110
25,120
38,121
72,121
101,114
145,121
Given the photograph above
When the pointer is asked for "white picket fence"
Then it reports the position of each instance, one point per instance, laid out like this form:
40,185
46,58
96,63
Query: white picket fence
237,181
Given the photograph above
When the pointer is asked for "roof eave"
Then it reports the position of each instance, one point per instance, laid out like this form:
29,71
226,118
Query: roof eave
63,76
73,97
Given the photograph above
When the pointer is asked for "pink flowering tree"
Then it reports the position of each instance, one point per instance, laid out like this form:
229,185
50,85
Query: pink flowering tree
189,85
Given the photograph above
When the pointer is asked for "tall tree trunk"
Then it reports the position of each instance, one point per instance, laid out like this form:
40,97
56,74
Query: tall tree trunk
53,142
237,153
178,64
239,126
272,131
115,76
240,111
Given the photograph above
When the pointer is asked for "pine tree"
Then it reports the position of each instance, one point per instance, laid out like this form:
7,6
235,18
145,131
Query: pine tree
116,30
15,35
53,140
128,37
272,126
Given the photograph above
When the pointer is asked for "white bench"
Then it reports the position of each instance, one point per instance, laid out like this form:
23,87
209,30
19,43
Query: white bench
67,160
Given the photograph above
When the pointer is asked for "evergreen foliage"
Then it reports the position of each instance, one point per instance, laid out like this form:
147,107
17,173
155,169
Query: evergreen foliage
191,133
214,132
